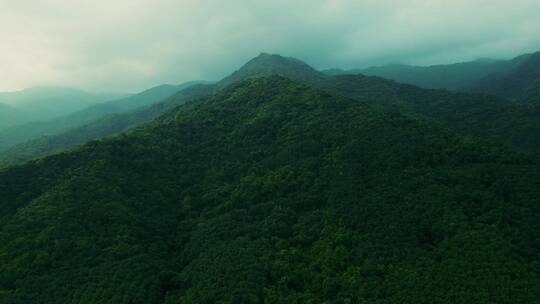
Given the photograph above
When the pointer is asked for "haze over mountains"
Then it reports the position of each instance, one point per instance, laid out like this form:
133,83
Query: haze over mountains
43,127
281,184
44,103
487,117
515,79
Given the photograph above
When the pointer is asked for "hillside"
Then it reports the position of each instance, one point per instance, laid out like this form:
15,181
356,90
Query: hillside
101,128
34,130
44,103
522,83
470,114
10,116
455,77
481,116
273,192
268,64
517,79
16,148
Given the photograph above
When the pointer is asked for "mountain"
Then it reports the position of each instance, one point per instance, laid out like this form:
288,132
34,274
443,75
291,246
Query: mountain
481,116
44,103
31,131
514,79
454,77
16,148
476,115
10,116
267,64
522,83
104,127
271,191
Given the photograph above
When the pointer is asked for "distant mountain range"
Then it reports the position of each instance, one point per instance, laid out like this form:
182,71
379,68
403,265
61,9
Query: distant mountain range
10,116
470,114
45,103
520,83
516,79
33,130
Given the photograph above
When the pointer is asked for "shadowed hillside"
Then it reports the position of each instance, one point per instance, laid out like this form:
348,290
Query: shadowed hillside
273,192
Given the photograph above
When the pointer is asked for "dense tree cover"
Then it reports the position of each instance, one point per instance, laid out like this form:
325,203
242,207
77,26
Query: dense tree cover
517,79
98,128
274,192
470,114
24,133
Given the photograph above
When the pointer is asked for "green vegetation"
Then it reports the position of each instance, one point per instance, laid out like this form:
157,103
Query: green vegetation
521,83
517,79
100,128
455,77
469,114
271,191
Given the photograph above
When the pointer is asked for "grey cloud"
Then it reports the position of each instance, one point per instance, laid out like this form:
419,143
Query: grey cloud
129,45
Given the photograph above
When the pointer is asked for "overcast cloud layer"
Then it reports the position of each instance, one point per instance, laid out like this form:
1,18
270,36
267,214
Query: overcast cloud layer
130,45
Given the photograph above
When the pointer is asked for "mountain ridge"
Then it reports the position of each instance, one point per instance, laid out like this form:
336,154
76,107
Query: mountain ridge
22,133
44,103
522,83
476,115
351,198
489,76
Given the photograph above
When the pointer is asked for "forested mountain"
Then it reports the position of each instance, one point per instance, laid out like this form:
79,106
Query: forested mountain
268,64
34,130
271,191
44,103
107,126
262,65
470,114
521,83
517,79
451,76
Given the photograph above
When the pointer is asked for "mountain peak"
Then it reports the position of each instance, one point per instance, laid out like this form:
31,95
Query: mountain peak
266,64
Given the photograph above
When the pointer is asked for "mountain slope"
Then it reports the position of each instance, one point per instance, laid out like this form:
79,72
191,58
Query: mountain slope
273,192
30,131
470,114
100,128
268,64
10,116
44,103
262,65
456,77
517,79
476,115
522,83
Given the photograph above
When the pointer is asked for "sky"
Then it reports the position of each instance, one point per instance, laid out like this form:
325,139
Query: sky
131,45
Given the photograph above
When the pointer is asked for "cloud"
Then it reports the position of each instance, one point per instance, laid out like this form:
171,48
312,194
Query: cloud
129,45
